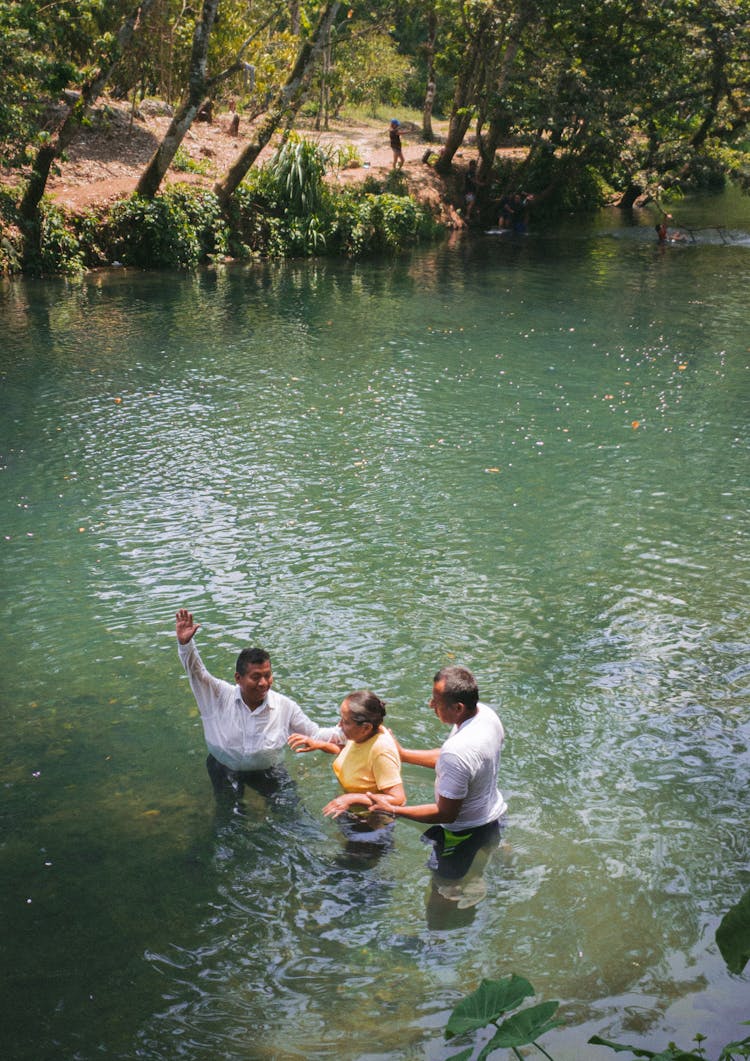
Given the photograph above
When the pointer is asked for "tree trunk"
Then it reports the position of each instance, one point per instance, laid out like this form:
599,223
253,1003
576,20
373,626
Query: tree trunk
68,129
458,126
468,79
629,196
327,64
154,173
719,88
429,97
286,105
294,22
500,120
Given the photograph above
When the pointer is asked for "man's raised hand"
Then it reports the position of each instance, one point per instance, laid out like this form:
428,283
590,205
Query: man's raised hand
185,626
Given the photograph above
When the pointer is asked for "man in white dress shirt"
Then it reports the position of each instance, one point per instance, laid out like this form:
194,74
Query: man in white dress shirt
246,725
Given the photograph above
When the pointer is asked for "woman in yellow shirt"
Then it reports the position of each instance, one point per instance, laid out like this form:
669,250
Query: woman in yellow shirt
368,762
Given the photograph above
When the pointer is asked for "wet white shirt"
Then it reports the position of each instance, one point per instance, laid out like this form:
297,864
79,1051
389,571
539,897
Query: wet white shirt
238,737
467,769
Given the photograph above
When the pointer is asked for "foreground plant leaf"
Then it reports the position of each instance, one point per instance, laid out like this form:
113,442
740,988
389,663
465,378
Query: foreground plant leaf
524,1027
672,1053
490,1000
738,1049
733,935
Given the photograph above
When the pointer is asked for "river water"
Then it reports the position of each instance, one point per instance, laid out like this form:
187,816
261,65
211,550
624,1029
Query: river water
525,454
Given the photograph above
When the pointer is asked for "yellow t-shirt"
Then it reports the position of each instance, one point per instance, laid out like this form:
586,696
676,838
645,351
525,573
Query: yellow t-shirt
372,766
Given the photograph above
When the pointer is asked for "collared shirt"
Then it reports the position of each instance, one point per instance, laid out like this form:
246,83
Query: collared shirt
239,738
467,769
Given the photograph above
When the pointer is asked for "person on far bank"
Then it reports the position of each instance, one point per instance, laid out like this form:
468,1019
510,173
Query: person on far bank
394,133
246,725
466,815
471,189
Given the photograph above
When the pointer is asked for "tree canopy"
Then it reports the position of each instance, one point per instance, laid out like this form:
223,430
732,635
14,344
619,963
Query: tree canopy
648,95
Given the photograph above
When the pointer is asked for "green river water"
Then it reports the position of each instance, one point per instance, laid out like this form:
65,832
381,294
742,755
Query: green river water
525,454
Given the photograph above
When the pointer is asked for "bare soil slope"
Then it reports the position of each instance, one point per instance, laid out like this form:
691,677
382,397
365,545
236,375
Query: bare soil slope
107,158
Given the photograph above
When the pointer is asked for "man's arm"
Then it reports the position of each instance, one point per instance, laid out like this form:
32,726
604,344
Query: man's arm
417,757
299,743
300,723
445,810
207,690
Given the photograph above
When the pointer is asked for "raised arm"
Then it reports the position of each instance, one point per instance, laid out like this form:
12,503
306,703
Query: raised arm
207,690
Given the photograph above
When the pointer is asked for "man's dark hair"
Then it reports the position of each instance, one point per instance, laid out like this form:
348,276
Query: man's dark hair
249,657
460,686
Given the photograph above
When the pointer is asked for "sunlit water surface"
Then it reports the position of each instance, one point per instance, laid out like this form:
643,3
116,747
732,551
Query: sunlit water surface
529,455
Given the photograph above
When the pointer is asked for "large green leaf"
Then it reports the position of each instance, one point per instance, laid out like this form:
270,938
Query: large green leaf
524,1027
490,1000
738,1049
620,1048
733,935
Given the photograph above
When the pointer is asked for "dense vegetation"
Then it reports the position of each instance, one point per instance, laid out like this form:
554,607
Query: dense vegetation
642,97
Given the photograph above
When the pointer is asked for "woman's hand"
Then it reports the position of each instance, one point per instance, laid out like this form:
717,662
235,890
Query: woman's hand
341,804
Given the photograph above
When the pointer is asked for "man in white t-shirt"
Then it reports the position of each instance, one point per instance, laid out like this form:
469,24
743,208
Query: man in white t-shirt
246,725
468,804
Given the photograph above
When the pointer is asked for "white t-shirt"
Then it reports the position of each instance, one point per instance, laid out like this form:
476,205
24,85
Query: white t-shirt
467,769
238,737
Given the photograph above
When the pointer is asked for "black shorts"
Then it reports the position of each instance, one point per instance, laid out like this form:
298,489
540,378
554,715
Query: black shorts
454,852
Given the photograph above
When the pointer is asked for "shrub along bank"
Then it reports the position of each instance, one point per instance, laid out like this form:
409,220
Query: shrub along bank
277,213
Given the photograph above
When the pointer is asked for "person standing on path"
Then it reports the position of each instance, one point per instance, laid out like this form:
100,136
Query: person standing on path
395,135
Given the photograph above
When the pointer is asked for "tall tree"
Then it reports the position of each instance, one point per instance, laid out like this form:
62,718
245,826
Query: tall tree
495,109
153,175
429,52
286,104
476,42
201,88
69,126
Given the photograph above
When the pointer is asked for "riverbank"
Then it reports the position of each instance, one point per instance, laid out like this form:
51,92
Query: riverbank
91,218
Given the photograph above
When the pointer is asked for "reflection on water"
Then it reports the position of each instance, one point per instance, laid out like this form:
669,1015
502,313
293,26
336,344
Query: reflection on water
526,456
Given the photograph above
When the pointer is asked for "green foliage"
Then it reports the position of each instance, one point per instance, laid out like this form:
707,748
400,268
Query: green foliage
674,1053
494,998
346,157
176,229
491,1001
369,70
733,940
60,248
32,72
348,222
10,233
733,935
298,170
183,163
